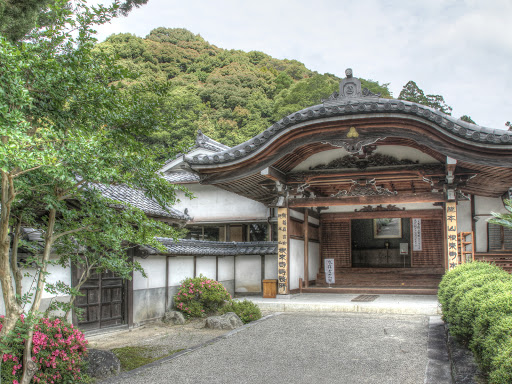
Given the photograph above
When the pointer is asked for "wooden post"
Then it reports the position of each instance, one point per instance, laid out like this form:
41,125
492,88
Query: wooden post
306,248
283,271
451,234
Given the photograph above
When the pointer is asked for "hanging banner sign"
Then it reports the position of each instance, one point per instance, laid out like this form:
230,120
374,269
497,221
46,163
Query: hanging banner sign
329,271
282,251
416,235
451,234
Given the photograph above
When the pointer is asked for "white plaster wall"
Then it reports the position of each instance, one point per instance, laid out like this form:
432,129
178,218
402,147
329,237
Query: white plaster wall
483,207
154,267
56,273
296,214
226,271
411,206
313,260
248,274
464,216
206,266
180,268
397,151
296,260
313,220
271,267
214,204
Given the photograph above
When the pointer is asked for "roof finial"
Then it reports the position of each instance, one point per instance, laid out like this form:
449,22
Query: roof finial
348,73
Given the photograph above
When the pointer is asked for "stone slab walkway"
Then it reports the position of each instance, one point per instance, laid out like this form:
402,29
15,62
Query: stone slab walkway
322,302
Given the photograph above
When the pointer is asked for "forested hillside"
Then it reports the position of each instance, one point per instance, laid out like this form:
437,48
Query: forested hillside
230,95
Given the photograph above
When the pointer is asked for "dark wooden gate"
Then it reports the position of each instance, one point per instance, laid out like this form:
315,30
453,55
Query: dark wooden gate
104,302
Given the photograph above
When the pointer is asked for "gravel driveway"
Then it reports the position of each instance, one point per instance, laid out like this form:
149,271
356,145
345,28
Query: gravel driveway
304,348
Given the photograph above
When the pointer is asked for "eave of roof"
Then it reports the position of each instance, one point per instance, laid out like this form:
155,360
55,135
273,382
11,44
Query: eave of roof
212,248
139,200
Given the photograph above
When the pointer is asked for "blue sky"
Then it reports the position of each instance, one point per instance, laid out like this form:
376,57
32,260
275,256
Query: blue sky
461,49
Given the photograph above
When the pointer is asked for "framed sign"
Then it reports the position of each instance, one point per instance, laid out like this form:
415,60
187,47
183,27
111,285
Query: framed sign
329,271
417,244
387,228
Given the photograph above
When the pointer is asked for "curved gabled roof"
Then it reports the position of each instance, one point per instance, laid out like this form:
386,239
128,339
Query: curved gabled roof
373,119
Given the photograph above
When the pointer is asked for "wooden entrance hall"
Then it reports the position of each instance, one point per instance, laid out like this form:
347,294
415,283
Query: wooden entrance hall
369,258
379,189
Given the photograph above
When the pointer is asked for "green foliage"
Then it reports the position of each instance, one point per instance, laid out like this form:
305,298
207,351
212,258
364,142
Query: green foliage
58,350
465,311
246,310
504,219
477,302
496,308
501,368
467,119
134,357
448,286
411,92
200,296
230,95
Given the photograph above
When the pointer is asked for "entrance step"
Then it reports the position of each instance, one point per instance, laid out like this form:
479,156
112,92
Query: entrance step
372,290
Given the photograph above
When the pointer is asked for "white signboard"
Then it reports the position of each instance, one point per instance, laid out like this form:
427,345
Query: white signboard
416,235
329,271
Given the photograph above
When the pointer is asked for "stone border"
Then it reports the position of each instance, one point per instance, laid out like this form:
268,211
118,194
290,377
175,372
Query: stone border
438,363
463,365
136,371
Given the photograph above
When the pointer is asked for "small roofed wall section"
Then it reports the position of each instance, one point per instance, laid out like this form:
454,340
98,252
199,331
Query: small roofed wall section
149,294
215,204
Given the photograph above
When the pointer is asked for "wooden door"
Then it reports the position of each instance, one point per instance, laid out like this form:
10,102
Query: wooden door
103,302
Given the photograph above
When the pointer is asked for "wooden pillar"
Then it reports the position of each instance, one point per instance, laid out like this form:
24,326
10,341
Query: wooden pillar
306,248
451,234
283,264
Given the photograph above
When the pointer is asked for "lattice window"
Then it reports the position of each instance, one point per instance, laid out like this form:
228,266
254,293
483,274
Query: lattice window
500,238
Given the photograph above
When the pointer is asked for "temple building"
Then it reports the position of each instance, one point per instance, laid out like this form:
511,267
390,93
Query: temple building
359,194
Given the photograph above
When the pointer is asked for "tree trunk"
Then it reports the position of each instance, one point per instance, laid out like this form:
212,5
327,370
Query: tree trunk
18,276
29,367
12,309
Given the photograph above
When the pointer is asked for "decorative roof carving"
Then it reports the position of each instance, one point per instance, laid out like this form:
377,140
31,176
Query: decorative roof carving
369,188
376,160
203,141
379,208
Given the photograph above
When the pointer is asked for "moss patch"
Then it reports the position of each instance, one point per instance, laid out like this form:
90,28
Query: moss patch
134,357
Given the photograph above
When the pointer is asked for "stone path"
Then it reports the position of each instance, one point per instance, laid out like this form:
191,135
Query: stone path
304,348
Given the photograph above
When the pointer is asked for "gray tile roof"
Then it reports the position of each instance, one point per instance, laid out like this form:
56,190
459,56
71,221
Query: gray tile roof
182,177
213,248
138,199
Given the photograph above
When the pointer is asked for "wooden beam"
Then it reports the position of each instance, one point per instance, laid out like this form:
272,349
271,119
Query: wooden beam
274,174
367,200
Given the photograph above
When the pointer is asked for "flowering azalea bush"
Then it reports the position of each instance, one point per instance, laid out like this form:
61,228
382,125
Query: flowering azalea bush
199,296
58,348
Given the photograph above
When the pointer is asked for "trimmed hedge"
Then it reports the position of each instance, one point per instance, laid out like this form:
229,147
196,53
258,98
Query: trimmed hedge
476,300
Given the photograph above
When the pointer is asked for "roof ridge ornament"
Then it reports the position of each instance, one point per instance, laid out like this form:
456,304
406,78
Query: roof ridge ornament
350,88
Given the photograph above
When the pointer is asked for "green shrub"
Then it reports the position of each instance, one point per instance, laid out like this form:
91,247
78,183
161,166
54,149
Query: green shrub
501,367
246,310
464,313
490,314
200,296
452,279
